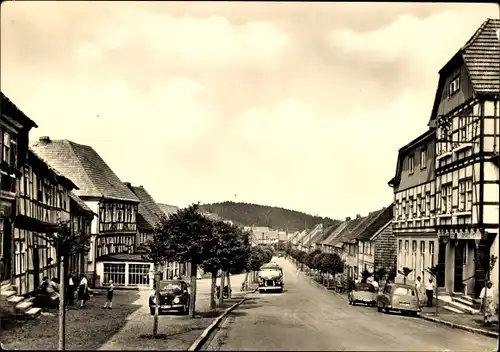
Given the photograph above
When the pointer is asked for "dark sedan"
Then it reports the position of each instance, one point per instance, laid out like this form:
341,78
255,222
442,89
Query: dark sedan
174,296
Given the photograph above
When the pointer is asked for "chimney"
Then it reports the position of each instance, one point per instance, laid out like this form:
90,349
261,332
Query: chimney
44,140
348,218
127,184
358,216
141,186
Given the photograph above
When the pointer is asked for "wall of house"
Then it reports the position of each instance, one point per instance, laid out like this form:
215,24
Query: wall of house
366,250
491,112
385,250
94,206
422,171
136,274
449,102
417,252
414,208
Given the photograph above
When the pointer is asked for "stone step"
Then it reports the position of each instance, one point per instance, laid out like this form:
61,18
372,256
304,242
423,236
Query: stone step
472,300
466,302
454,310
33,312
6,294
23,306
15,300
463,307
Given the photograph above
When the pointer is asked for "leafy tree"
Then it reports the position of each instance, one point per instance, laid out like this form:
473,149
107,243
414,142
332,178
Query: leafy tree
310,256
255,260
66,244
188,236
155,253
405,272
317,263
332,264
365,275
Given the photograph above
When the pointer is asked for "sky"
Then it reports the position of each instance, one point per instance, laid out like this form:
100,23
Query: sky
297,105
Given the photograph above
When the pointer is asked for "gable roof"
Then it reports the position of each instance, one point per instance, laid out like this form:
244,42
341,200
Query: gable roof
39,165
480,56
313,235
8,108
80,204
344,234
328,231
84,166
149,211
380,220
302,236
167,209
379,231
329,240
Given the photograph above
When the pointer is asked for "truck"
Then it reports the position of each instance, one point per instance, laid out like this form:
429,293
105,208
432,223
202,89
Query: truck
270,278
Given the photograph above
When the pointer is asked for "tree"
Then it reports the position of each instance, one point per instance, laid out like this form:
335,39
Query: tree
66,244
365,275
187,236
310,256
317,264
255,260
155,253
405,272
332,264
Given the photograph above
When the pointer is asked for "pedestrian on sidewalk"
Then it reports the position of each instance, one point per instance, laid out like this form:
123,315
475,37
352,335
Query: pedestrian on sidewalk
109,298
487,297
70,299
419,287
429,291
83,291
297,272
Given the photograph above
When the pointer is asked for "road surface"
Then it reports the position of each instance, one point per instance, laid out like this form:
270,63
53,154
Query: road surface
306,317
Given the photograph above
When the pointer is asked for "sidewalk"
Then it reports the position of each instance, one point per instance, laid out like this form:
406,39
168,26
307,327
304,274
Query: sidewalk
468,322
178,332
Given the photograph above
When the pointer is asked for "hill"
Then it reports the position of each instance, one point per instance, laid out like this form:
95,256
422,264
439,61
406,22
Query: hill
247,214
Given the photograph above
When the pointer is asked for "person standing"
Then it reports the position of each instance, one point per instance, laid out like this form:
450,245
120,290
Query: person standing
419,288
83,291
429,291
70,299
109,298
487,297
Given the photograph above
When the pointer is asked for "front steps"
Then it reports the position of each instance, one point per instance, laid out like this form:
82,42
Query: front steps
14,305
460,303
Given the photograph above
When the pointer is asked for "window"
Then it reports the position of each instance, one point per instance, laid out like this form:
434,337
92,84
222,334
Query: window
6,147
423,159
455,85
138,274
427,203
431,253
361,248
403,291
414,258
39,189
464,253
446,196
115,272
465,195
407,252
422,259
400,251
411,164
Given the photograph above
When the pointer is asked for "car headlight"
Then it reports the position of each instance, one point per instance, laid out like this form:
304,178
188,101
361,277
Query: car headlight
176,300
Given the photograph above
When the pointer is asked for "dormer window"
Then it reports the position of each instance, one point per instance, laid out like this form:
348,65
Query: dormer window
455,85
411,164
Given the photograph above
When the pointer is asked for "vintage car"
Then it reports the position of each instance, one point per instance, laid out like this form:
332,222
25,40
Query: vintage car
362,293
270,278
399,297
174,296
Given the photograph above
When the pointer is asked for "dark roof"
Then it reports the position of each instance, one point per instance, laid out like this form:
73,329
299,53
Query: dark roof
39,165
328,231
335,233
481,55
80,204
345,233
148,209
352,235
10,109
382,217
85,167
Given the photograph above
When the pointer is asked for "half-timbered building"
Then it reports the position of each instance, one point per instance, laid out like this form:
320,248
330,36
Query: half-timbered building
42,201
466,115
114,230
81,222
414,217
14,140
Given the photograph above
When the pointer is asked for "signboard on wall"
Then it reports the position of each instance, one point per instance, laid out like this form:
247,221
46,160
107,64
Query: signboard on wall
469,235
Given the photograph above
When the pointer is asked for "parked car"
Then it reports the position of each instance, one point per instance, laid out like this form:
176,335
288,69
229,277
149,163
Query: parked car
363,293
174,296
270,278
399,297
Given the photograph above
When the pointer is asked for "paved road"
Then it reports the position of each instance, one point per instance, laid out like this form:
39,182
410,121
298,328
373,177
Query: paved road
306,317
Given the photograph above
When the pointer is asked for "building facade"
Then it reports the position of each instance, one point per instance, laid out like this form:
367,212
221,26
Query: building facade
414,207
466,116
114,230
14,140
81,222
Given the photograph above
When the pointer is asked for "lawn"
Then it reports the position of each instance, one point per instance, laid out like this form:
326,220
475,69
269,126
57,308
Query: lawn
86,329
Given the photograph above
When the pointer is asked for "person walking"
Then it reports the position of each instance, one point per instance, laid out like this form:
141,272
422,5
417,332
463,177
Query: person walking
70,299
109,298
429,291
83,291
488,304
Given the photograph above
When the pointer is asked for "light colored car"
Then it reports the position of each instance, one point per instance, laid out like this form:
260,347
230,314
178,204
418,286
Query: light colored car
270,278
399,297
363,293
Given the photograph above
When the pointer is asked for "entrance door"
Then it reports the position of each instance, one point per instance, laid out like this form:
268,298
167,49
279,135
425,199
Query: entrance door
459,264
442,265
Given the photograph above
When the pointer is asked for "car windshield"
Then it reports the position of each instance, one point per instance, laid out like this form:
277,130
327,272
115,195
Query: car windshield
364,287
270,272
170,286
403,291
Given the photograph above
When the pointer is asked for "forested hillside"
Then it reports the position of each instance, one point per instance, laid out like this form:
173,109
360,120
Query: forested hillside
261,215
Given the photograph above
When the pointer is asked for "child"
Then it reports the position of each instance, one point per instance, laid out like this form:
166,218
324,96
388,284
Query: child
109,300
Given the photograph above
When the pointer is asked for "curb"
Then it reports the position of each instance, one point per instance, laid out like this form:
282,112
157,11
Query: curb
206,333
461,327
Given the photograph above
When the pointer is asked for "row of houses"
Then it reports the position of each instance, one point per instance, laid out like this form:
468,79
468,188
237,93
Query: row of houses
446,186
54,180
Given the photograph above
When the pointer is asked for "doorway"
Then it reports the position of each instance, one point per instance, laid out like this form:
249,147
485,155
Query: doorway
458,285
441,265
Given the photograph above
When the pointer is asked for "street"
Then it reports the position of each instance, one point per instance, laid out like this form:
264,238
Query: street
306,317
